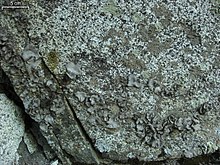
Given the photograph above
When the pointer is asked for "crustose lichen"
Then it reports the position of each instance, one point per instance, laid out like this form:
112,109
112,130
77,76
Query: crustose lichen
52,60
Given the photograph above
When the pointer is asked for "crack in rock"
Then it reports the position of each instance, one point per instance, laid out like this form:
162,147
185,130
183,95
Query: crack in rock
84,134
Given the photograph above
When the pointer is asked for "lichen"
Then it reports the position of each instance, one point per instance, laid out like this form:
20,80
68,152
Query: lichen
106,49
137,17
73,70
52,60
111,8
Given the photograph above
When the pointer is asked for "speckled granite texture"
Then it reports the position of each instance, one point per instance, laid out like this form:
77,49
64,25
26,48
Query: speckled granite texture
11,131
115,81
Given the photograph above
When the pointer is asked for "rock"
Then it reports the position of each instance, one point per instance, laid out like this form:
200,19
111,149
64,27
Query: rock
117,82
11,130
18,131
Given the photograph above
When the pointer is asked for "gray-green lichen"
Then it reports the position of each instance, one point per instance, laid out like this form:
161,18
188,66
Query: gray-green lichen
111,8
149,80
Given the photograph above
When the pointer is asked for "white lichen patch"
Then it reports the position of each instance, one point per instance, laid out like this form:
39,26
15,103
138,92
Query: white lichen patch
132,81
32,60
28,54
73,70
11,130
81,96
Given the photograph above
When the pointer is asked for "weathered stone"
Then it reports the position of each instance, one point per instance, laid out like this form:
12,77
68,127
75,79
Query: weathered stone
11,130
114,81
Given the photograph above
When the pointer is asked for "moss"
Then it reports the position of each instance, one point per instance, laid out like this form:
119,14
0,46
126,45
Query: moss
52,60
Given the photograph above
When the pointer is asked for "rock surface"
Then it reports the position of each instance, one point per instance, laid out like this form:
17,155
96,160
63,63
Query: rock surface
113,82
11,130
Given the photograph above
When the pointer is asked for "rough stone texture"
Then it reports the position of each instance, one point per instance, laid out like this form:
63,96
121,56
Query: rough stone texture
113,81
11,130
21,141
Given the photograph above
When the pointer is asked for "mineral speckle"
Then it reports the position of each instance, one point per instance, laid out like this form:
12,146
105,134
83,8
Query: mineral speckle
142,79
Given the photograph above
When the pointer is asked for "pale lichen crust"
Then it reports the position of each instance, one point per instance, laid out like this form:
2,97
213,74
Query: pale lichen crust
141,78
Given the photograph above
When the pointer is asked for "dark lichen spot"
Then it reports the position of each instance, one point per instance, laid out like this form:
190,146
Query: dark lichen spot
52,60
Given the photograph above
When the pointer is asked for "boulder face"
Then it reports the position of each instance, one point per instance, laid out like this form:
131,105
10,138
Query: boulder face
11,130
111,81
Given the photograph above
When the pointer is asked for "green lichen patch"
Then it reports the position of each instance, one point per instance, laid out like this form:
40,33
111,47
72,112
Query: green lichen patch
133,62
52,60
148,32
111,8
110,34
137,17
163,14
